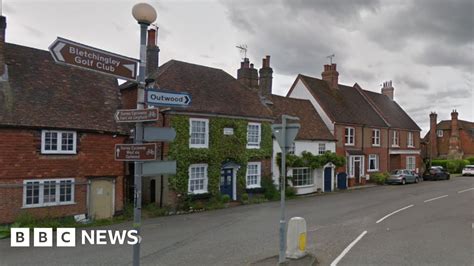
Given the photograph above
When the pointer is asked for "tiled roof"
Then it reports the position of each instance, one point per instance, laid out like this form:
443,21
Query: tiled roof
343,105
462,124
391,111
312,126
213,91
41,93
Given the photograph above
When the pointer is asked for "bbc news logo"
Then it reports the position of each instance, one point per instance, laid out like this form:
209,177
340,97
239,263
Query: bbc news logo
66,237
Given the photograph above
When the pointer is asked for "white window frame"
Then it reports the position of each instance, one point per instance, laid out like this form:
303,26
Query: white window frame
59,141
292,148
259,175
310,176
413,163
254,145
410,140
376,137
348,136
321,148
439,133
395,138
350,168
375,158
206,135
41,202
206,179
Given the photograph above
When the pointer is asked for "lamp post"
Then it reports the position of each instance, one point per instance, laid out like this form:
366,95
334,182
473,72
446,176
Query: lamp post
145,14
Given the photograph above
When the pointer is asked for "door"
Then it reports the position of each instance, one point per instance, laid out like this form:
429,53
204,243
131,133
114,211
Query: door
342,181
327,179
153,190
101,199
226,186
357,171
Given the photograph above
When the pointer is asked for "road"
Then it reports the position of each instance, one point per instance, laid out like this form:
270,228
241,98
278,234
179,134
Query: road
414,224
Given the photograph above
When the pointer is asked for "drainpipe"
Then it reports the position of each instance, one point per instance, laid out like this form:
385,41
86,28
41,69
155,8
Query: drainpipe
388,150
162,158
363,161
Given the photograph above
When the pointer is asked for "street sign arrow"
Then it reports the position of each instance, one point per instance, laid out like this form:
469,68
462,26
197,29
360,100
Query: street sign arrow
159,168
166,98
71,53
136,115
135,152
159,134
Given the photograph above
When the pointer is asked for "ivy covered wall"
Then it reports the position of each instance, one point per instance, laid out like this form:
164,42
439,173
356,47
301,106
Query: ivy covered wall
222,148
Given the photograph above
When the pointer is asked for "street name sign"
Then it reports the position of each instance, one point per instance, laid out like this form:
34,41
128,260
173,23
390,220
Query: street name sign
159,134
135,152
71,53
159,168
166,98
136,115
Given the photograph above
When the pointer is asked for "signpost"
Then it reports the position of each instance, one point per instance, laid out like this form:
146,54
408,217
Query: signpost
136,115
166,98
79,55
159,134
159,168
135,152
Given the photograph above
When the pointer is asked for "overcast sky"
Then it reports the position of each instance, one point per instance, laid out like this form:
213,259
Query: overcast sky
425,46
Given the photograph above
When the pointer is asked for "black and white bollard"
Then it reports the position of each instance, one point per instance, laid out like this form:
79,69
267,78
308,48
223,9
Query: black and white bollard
296,238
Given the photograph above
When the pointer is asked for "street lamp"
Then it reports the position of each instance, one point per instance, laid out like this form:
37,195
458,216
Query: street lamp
145,14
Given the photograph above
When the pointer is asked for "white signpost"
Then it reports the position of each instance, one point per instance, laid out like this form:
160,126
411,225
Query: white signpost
166,98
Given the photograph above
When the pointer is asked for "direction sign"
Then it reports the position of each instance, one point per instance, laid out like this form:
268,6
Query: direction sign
136,115
166,98
159,134
159,168
79,55
135,152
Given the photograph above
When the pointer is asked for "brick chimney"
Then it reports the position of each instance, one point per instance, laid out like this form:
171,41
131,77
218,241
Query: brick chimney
454,151
247,74
388,89
265,82
331,76
433,137
152,52
3,27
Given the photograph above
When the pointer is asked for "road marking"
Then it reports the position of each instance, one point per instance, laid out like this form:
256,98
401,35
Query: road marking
440,197
347,249
392,213
466,190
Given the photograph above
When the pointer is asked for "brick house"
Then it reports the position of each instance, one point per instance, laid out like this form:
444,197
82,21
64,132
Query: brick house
451,139
223,142
57,136
372,130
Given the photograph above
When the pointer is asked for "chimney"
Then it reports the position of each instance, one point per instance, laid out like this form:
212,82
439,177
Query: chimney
331,76
247,74
265,82
433,136
455,152
454,123
388,89
152,52
3,27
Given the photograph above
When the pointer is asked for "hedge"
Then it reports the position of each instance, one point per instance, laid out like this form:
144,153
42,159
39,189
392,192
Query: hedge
453,166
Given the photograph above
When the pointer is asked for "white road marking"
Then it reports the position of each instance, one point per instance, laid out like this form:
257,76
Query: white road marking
466,190
348,248
440,197
392,213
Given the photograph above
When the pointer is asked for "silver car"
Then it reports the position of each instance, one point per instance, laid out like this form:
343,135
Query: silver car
402,176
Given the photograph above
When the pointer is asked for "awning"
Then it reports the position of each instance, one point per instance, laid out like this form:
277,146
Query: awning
354,152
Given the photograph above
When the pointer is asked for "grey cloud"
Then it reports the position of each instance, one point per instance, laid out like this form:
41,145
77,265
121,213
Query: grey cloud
33,31
411,83
444,55
8,9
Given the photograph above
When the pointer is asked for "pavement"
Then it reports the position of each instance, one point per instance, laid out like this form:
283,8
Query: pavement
372,226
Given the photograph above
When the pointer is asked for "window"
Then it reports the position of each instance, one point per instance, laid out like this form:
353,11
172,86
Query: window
411,162
373,162
321,148
48,192
439,133
376,137
199,132
253,136
395,142
302,177
253,174
291,149
349,136
197,179
58,142
410,142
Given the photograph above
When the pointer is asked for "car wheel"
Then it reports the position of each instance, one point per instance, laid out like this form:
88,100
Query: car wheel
403,181
416,180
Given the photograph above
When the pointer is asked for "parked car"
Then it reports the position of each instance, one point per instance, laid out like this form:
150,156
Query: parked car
468,170
436,173
402,176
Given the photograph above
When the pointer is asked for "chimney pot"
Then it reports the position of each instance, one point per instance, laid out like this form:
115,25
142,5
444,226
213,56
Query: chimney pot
331,76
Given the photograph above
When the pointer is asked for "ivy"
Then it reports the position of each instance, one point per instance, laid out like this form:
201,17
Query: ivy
222,149
307,159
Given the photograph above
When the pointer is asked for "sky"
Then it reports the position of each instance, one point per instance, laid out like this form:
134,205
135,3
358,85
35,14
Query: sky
426,47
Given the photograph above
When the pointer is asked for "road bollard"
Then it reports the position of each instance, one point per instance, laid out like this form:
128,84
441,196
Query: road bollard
296,238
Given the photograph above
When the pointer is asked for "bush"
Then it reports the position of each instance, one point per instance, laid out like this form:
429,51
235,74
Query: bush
471,160
152,210
456,166
442,163
290,192
271,192
244,198
225,198
379,178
